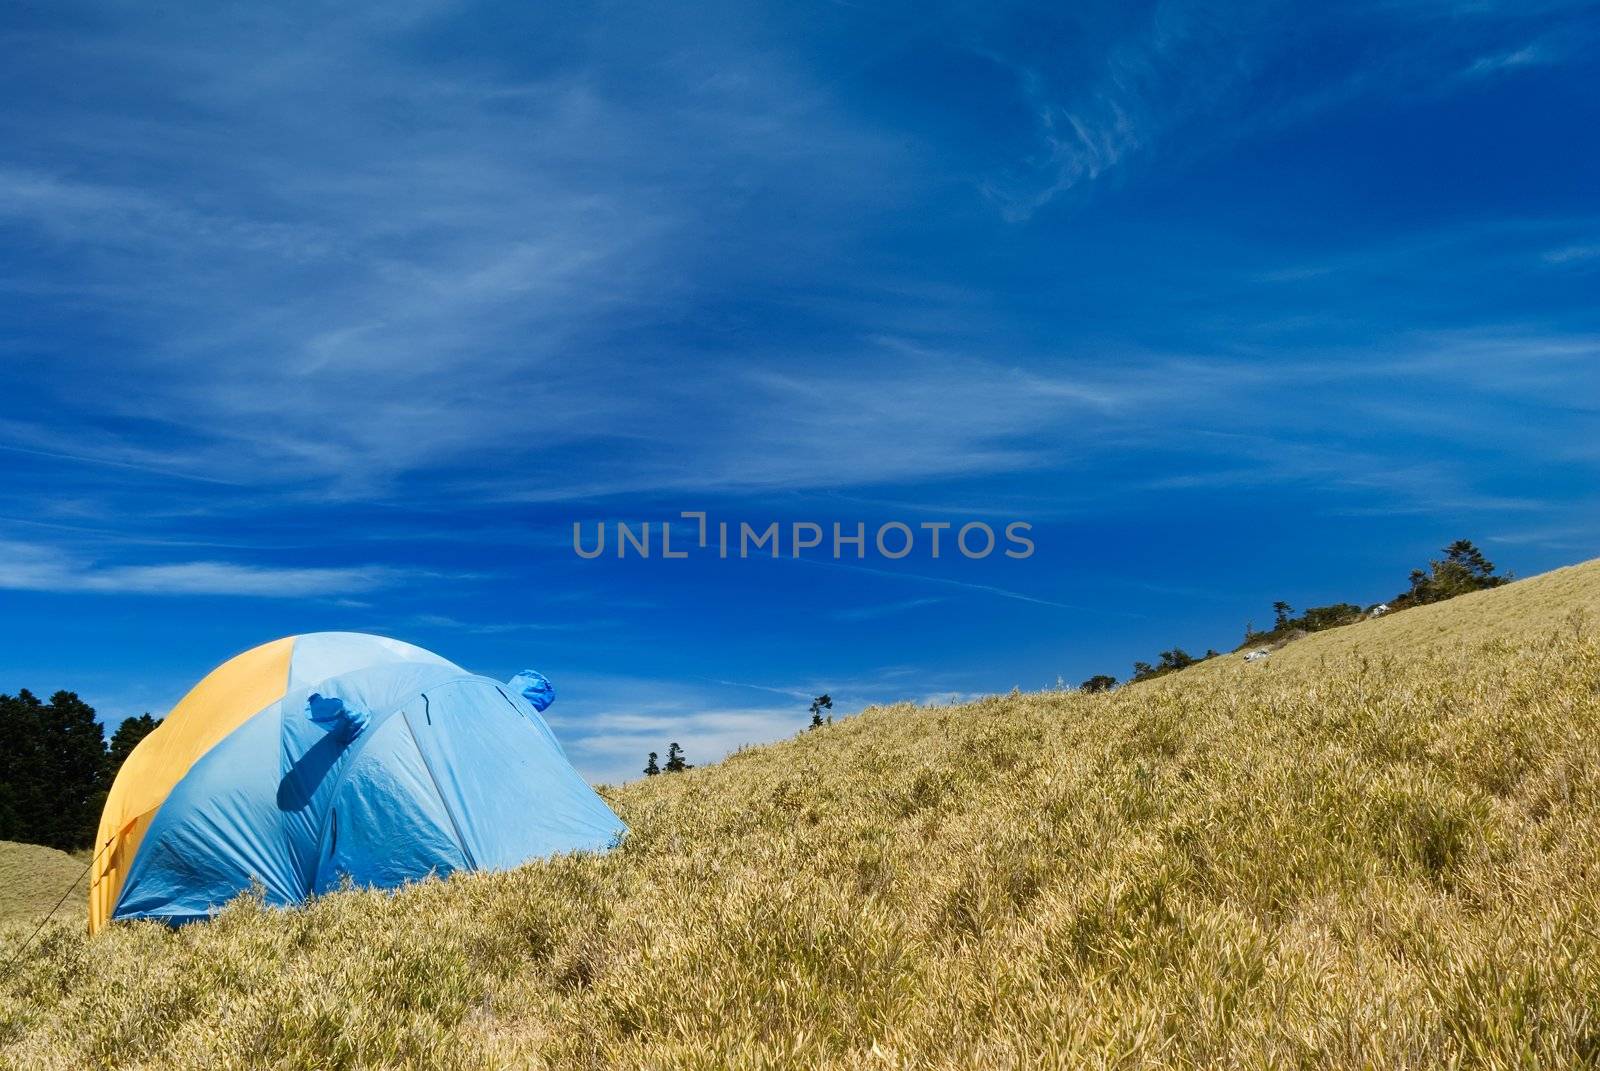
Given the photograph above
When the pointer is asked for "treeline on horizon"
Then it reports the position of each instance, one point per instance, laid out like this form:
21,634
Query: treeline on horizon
56,767
1463,569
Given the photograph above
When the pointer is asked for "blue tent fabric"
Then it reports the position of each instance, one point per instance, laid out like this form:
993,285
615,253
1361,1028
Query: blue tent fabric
332,713
377,777
536,688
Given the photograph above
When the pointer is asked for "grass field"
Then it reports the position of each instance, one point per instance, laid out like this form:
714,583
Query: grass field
1381,847
33,879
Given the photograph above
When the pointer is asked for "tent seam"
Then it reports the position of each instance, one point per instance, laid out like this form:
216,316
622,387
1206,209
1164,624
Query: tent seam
360,745
427,764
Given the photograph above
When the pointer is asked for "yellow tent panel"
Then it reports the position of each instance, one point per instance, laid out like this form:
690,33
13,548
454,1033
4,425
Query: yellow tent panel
215,707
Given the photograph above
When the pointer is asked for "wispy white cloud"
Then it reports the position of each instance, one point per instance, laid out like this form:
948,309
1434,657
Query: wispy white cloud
945,581
792,692
32,567
1078,143
1573,254
611,745
52,444
1173,79
1531,55
446,623
377,300
879,412
886,609
609,724
370,312
1129,88
1580,541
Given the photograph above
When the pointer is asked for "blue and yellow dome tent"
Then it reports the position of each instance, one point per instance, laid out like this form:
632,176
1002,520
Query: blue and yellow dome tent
315,759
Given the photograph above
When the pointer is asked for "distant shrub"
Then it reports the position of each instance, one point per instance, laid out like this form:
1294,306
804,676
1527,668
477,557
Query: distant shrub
1462,570
675,760
1170,662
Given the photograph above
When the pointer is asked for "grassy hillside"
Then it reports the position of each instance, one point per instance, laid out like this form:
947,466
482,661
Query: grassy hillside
32,880
1380,848
1507,613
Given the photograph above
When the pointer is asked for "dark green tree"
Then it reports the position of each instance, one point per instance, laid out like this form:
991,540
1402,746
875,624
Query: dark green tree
125,739
1100,682
74,760
1322,617
818,705
1280,614
23,789
1177,658
650,767
675,763
53,770
1463,569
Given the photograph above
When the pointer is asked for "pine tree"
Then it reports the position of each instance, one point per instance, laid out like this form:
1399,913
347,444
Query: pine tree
818,705
126,738
74,761
650,767
1175,659
1100,682
52,770
675,763
1463,569
23,789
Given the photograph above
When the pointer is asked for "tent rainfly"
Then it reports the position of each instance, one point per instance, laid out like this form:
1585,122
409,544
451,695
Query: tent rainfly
331,757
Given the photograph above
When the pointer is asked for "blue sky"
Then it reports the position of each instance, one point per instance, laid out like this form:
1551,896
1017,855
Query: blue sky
339,316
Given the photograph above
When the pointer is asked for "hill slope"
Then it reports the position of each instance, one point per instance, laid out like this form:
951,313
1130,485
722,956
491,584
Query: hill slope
1382,847
1513,612
33,879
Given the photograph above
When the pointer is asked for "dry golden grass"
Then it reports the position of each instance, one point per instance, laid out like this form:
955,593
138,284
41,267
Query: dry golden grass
32,880
1500,613
1382,848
